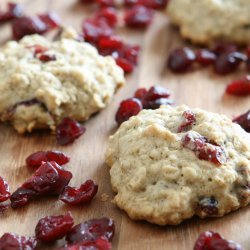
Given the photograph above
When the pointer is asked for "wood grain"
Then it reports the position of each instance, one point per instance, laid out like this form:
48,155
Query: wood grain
200,88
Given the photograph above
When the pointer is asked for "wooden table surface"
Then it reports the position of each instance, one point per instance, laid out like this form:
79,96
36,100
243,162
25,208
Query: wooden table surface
201,88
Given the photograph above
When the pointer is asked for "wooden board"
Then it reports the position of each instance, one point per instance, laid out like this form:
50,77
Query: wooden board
200,88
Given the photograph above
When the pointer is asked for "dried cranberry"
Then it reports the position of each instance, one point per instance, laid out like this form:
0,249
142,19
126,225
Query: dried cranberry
244,121
4,190
99,244
213,241
204,149
49,179
68,130
131,53
156,92
92,230
224,47
188,119
14,11
208,205
128,108
239,87
109,14
157,103
96,28
112,42
52,228
153,4
27,26
84,194
138,16
124,64
35,160
105,3
4,206
46,57
140,93
180,60
228,62
205,57
38,49
51,19
11,241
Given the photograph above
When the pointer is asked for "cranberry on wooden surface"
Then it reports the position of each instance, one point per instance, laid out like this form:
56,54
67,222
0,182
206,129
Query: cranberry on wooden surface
109,14
35,160
4,206
157,103
156,92
55,227
48,179
140,93
130,53
205,57
99,244
188,119
51,19
11,241
84,194
138,16
27,26
112,42
46,57
91,230
228,62
239,87
244,121
210,240
224,47
68,130
180,60
128,108
14,10
204,149
105,3
4,190
208,205
124,64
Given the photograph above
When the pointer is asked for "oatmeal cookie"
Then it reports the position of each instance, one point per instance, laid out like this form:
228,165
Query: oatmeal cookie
42,81
204,21
169,164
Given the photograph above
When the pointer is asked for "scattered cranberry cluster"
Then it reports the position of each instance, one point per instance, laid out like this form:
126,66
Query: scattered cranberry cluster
93,234
143,99
210,240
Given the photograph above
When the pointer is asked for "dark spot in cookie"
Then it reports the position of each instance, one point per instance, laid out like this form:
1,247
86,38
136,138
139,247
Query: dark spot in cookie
210,179
208,205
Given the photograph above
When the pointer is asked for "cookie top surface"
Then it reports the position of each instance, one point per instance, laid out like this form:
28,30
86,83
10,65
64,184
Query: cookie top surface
162,177
204,21
35,93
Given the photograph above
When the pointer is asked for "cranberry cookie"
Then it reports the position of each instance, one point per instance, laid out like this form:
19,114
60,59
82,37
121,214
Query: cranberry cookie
42,81
204,21
169,164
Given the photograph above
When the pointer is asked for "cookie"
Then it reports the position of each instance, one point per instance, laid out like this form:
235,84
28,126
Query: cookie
42,81
205,21
169,164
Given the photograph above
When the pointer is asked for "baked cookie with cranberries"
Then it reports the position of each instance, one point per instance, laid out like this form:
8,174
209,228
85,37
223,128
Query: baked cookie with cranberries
42,81
205,21
169,164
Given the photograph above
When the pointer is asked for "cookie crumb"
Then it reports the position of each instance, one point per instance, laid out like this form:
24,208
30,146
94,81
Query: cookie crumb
104,197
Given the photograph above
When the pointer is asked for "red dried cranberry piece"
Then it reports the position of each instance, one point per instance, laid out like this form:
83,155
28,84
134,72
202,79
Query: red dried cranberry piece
109,14
204,149
51,19
239,87
35,160
46,57
92,230
4,190
224,47
84,194
138,16
210,240
68,130
3,207
157,103
180,60
128,108
49,179
153,4
156,92
99,244
14,11
27,26
38,49
96,28
11,241
112,43
205,57
244,121
140,93
228,62
188,119
52,228
208,205
130,53
105,3
124,64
